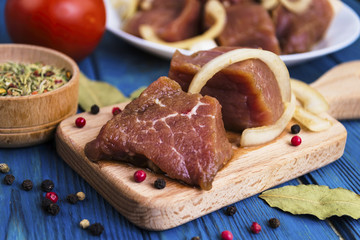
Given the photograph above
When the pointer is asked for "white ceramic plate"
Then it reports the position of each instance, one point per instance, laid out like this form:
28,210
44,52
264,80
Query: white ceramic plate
343,31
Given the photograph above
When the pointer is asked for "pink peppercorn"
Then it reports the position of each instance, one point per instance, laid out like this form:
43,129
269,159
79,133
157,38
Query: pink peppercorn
139,176
80,122
227,235
52,196
295,141
116,111
255,227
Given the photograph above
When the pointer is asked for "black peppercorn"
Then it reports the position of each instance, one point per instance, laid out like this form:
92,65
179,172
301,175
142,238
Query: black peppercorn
231,210
295,129
27,185
47,185
9,179
96,229
160,183
72,198
195,238
274,222
53,209
45,203
94,109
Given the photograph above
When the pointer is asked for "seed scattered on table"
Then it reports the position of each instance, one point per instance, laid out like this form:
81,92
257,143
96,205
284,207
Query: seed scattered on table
72,198
295,129
84,223
274,222
4,168
94,109
80,122
227,235
96,229
231,210
195,238
255,227
295,141
160,183
139,176
53,209
9,179
116,111
45,203
52,196
47,185
27,185
80,196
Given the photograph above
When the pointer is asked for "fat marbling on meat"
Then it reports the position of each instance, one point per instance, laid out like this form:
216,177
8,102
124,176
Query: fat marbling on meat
180,133
247,90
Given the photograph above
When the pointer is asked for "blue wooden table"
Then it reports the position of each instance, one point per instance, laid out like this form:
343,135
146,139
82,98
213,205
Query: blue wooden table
128,68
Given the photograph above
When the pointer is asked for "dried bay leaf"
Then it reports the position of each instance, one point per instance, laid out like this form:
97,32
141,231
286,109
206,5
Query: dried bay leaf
137,92
316,200
99,93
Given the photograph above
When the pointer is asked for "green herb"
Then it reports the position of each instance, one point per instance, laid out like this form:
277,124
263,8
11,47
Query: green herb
101,93
18,79
319,201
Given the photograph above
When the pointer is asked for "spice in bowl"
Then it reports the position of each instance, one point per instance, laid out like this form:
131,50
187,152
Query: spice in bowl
20,79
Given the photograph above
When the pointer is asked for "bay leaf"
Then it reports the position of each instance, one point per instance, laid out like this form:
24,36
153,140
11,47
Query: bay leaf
137,92
320,201
99,93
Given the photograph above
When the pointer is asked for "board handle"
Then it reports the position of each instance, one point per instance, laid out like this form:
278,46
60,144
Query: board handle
341,88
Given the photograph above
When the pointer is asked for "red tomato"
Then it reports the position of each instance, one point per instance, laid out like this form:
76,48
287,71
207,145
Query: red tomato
73,27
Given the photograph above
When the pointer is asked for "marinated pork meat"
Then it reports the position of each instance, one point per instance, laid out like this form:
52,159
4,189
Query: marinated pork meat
247,90
180,133
171,20
249,25
298,33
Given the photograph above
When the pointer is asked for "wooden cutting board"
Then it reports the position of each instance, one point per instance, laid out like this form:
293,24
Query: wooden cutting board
251,171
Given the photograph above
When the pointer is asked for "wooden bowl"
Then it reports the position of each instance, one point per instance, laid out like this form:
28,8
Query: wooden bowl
29,120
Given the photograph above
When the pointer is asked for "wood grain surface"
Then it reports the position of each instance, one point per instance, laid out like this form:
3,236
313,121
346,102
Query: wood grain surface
250,171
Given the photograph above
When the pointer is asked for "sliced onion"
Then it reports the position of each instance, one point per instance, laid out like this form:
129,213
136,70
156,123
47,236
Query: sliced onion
296,6
311,121
214,8
273,61
264,134
125,8
203,45
269,4
311,99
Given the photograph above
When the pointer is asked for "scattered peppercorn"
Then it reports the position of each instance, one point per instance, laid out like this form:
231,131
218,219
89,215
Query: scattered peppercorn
95,109
227,235
116,111
47,185
231,210
4,168
195,238
295,141
96,229
52,196
27,185
84,223
160,183
45,203
274,222
72,198
9,179
80,122
255,227
53,209
80,196
295,129
139,176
